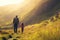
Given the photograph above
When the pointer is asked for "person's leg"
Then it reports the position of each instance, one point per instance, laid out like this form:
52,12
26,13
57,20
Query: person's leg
14,29
22,29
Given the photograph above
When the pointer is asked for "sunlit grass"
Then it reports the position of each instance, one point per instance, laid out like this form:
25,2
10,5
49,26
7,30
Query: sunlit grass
46,30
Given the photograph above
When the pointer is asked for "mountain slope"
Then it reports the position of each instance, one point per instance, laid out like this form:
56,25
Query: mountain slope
10,11
42,12
46,30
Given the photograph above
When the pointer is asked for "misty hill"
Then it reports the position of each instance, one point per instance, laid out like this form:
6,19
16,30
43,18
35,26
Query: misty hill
8,12
42,12
31,13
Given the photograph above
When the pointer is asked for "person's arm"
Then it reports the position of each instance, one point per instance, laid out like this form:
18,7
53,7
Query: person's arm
18,21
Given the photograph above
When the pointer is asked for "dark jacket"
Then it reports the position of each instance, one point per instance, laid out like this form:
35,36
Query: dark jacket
16,21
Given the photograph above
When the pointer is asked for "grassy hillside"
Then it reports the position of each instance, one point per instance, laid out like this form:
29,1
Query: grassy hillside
42,12
46,30
29,13
10,11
